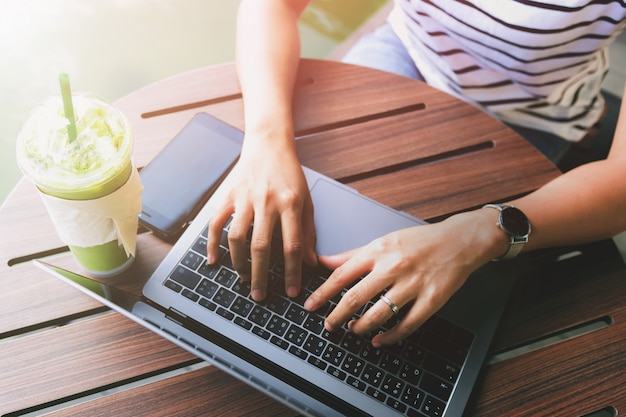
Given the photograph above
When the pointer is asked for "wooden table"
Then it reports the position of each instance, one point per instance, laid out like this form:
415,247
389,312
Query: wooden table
394,139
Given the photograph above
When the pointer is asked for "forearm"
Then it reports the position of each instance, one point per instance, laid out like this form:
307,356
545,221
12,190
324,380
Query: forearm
268,50
585,204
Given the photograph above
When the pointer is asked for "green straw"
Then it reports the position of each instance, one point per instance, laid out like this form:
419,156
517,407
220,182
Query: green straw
68,108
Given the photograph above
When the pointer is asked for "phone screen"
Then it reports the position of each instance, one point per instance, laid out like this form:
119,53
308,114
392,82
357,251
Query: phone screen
181,177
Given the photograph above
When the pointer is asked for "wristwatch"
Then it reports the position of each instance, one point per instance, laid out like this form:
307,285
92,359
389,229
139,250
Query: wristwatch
516,225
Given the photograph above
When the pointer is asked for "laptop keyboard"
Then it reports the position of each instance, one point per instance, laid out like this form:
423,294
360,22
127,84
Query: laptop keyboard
415,377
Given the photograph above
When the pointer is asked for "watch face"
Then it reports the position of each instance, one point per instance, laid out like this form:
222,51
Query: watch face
514,221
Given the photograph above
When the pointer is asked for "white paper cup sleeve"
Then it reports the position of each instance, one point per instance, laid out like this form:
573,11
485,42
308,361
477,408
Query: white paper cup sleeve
87,223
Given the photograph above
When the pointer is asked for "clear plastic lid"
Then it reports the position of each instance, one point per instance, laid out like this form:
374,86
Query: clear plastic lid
101,150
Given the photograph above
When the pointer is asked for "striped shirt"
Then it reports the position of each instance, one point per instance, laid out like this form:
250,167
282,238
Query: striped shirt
538,64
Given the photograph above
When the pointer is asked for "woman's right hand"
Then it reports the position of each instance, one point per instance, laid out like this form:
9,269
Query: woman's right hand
266,188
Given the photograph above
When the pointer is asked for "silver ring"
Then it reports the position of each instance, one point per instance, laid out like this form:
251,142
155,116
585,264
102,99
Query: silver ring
390,303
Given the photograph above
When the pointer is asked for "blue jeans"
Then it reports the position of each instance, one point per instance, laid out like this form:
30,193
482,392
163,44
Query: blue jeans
383,50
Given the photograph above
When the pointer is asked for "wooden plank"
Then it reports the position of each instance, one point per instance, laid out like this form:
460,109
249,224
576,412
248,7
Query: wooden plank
31,297
193,89
28,295
320,100
415,134
585,374
574,374
459,182
64,361
205,391
554,297
25,225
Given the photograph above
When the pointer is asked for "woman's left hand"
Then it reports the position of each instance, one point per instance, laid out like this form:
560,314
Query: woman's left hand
421,267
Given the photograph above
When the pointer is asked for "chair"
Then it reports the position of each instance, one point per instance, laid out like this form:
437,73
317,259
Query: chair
596,146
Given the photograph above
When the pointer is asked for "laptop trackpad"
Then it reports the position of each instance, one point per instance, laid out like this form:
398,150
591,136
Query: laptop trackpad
345,219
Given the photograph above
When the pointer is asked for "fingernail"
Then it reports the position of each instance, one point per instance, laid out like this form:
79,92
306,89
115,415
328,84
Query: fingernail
328,327
309,304
258,295
293,291
210,259
377,345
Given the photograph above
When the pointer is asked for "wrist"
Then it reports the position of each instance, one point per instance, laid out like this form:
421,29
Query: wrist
482,238
270,139
513,224
264,125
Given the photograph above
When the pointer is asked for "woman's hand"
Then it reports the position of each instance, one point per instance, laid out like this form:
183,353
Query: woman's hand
266,188
419,267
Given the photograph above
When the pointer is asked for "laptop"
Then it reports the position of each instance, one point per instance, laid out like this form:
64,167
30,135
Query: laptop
284,351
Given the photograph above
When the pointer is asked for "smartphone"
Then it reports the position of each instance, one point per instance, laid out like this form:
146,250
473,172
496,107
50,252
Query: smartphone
181,178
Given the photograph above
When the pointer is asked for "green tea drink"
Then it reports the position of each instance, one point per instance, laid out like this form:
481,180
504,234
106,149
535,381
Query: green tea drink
88,183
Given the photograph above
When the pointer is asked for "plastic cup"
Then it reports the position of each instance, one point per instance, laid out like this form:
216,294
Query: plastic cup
97,163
